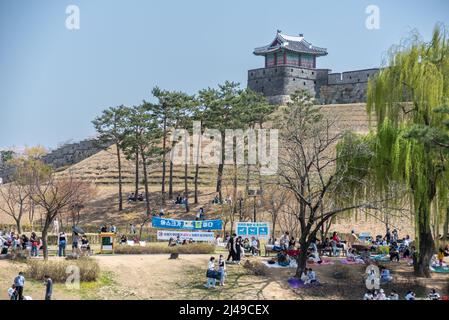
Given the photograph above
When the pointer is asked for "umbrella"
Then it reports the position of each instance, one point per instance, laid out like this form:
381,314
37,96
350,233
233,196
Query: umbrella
78,230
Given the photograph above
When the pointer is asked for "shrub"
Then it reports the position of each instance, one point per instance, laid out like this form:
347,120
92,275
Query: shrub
59,270
192,248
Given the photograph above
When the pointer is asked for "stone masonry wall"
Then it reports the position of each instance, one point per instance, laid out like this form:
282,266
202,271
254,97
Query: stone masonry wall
70,154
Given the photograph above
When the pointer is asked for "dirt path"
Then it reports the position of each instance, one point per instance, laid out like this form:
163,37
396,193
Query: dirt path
157,277
135,277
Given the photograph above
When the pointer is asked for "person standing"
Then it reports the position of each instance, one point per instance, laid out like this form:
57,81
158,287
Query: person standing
231,247
19,282
222,269
48,287
34,244
62,243
75,243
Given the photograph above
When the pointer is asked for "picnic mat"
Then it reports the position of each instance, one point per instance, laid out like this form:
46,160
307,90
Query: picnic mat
292,264
297,284
323,263
350,262
439,269
381,257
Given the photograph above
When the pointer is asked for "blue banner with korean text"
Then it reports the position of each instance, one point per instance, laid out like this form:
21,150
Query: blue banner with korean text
162,223
252,229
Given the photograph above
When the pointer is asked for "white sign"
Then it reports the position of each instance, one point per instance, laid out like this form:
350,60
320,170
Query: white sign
252,229
195,236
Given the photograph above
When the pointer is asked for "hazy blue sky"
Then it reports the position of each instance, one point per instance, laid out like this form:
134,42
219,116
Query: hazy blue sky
54,81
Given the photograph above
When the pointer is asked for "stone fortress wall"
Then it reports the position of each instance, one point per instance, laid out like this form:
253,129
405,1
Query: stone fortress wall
71,153
61,157
277,83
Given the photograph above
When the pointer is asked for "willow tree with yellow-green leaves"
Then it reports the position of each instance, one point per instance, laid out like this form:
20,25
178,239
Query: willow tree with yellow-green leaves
409,98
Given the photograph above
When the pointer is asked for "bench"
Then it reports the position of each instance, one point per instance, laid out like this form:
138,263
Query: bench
268,249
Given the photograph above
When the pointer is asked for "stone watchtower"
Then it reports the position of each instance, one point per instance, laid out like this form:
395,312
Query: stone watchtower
290,64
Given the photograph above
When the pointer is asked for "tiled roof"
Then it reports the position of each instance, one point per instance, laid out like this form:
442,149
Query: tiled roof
291,43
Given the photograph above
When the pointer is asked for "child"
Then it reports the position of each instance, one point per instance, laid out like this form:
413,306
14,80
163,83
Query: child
311,276
222,269
12,293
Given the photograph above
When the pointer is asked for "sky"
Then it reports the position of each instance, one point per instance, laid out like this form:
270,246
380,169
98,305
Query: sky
54,80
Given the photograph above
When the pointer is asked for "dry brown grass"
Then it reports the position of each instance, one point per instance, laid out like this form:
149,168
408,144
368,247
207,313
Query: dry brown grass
193,248
59,271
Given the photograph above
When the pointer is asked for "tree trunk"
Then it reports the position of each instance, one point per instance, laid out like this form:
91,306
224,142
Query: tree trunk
45,240
136,191
164,147
18,225
235,184
301,259
426,245
273,233
446,226
186,188
221,167
197,168
119,163
248,168
170,179
145,181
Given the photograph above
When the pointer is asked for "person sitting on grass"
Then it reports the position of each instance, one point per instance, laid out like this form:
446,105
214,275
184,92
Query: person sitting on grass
393,295
433,295
178,199
368,295
304,276
385,275
410,295
353,256
394,252
311,277
381,295
123,239
283,258
12,293
313,255
216,200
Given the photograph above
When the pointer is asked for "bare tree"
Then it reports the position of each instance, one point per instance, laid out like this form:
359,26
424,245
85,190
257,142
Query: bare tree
14,202
274,200
308,169
54,195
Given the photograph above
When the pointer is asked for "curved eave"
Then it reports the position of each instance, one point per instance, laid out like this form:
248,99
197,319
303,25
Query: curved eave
264,52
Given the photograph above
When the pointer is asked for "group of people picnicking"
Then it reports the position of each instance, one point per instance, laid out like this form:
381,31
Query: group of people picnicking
237,246
172,242
226,200
16,291
132,197
410,295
